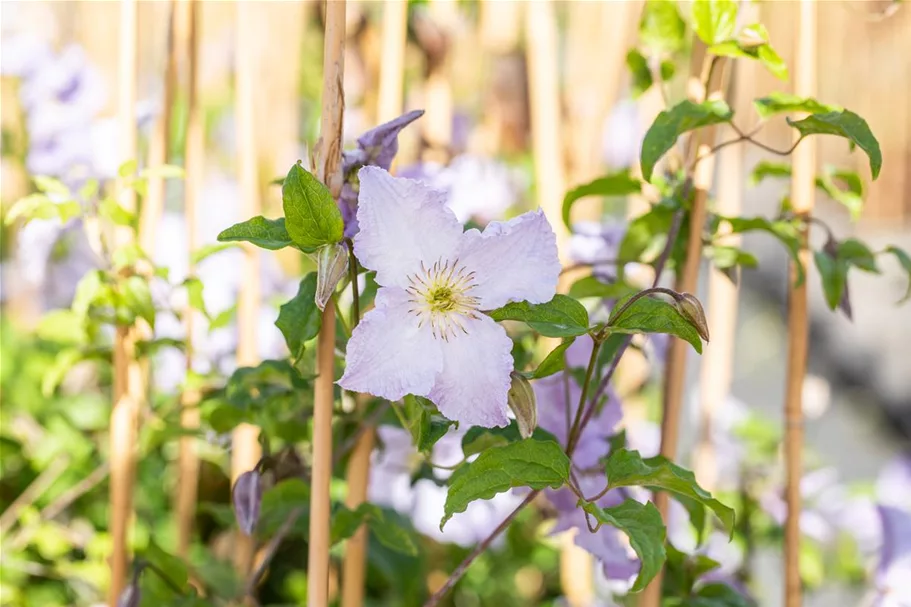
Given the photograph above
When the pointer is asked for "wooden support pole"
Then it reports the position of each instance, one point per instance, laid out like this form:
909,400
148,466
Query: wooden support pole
389,105
246,450
194,154
803,177
129,390
329,172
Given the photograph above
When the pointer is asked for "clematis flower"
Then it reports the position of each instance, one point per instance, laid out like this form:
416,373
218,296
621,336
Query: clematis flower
376,147
893,575
597,244
427,335
825,504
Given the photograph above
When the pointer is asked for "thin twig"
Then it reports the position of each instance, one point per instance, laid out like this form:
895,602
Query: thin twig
269,552
35,489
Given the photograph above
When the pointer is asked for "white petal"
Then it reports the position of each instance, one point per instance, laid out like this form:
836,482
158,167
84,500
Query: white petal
472,387
402,223
388,354
512,261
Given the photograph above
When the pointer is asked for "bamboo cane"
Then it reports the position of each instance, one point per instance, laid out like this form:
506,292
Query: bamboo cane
194,153
389,105
246,450
802,193
687,277
328,171
128,376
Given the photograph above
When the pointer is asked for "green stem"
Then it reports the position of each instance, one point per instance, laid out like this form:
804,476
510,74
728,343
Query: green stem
356,299
573,438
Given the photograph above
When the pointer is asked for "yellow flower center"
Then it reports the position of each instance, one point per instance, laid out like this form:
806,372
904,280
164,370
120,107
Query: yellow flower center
440,296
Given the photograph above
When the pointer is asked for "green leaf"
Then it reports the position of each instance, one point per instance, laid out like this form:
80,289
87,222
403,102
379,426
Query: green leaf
311,215
626,468
88,289
299,319
850,193
264,233
223,318
753,43
643,525
714,20
553,362
834,276
39,206
855,253
194,289
163,171
392,536
649,315
478,439
670,124
345,522
717,594
170,565
667,69
905,260
137,297
425,423
644,231
591,286
210,249
640,72
562,316
620,183
785,231
127,168
780,103
53,375
725,257
527,463
51,185
62,326
661,28
845,124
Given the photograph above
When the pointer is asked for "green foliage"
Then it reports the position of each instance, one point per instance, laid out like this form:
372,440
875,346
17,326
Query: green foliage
527,463
299,319
592,286
785,103
640,72
345,522
753,43
714,20
670,124
905,260
842,186
311,215
562,316
425,423
627,468
614,184
661,28
554,362
784,230
649,315
845,124
643,525
265,233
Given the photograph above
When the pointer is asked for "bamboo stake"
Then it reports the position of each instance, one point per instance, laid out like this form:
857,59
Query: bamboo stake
328,171
128,375
802,195
437,122
546,118
246,450
389,105
153,205
194,155
687,277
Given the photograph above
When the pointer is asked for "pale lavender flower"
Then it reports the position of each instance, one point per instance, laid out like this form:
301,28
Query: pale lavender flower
825,503
597,244
392,465
893,486
622,135
478,188
427,335
893,575
376,147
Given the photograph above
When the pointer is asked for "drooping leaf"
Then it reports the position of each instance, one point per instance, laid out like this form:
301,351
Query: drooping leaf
905,260
626,468
857,254
311,215
425,423
527,463
562,316
299,319
834,275
753,43
643,525
714,20
620,183
649,315
845,124
194,288
265,233
671,124
785,103
640,72
662,29
553,362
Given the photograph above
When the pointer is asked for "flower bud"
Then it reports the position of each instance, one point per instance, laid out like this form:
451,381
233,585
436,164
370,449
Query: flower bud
131,596
331,266
521,400
690,308
247,497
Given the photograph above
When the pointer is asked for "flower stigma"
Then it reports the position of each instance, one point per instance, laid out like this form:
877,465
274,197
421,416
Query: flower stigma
440,296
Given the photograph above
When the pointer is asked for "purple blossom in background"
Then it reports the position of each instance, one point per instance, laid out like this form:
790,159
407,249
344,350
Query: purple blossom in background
893,486
390,485
622,135
824,504
555,414
376,147
893,575
597,244
427,335
478,188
